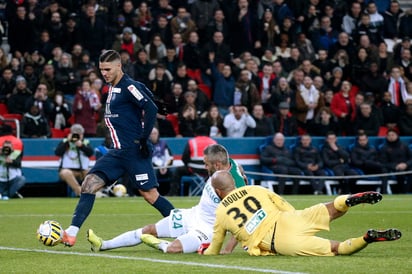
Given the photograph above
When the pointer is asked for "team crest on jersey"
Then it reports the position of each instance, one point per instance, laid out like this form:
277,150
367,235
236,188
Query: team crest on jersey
136,93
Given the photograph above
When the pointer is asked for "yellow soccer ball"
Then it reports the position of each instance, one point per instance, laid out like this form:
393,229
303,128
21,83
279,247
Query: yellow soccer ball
50,233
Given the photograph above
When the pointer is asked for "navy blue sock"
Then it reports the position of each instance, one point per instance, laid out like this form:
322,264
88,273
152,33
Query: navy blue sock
83,209
163,205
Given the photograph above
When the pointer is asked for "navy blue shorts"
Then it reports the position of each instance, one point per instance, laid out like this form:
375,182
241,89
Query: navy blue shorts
118,161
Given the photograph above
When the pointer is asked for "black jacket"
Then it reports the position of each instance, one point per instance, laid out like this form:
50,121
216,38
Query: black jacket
273,155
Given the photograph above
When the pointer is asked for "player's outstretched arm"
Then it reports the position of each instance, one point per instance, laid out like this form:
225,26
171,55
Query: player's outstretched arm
230,246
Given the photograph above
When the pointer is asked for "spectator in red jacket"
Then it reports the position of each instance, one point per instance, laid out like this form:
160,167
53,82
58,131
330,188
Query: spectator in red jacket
343,106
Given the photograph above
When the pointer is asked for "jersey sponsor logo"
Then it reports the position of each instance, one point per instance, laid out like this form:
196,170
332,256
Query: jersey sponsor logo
116,90
141,177
136,93
255,221
143,183
211,193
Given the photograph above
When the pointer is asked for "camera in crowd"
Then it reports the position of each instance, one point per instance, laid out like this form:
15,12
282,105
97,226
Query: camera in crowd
75,137
7,149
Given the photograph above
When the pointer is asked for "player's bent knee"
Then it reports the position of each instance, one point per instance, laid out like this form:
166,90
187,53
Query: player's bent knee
150,229
175,247
92,183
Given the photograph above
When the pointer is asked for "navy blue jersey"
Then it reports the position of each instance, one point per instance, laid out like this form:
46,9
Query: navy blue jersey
125,105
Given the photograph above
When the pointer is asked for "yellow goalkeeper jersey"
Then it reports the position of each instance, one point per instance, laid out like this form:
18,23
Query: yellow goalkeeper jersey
249,213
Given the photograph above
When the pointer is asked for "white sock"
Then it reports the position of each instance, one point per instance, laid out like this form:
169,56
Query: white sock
163,246
130,238
72,231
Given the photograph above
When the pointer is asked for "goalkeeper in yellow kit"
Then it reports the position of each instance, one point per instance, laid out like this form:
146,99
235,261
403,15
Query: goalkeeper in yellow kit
265,224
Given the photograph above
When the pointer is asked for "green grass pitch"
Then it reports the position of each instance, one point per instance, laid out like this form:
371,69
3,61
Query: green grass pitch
20,252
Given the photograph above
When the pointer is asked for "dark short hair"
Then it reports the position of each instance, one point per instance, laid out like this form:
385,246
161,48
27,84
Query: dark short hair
109,56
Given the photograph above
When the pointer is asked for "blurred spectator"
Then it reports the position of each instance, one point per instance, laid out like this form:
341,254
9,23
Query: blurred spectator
48,77
183,24
29,74
4,62
128,41
344,108
74,152
391,114
405,121
293,61
60,113
71,33
365,156
17,101
160,81
284,122
201,102
324,36
93,33
324,122
20,32
397,87
278,158
56,57
264,127
156,49
142,67
188,121
175,100
162,27
202,12
267,80
337,159
41,100
56,29
127,64
145,22
238,121
224,84
366,27
7,85
214,121
85,105
16,65
218,23
192,56
324,64
177,42
309,160
373,81
44,45
170,60
85,65
34,124
395,156
360,66
280,93
367,121
308,102
163,7
11,177
243,25
391,20
67,78
246,92
405,24
267,30
162,159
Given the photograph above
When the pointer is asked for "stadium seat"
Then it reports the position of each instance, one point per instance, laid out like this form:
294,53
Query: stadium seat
13,116
174,121
196,184
58,133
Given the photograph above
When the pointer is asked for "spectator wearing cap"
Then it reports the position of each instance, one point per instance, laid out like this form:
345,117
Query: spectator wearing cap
17,101
284,122
127,41
74,152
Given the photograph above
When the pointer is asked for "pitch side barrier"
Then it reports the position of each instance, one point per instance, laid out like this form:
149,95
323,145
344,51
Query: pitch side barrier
40,165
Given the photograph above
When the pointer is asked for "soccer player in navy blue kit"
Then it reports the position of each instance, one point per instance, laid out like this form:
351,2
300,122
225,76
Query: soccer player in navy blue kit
129,115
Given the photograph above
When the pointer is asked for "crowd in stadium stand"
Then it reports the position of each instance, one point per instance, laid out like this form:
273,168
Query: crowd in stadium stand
242,68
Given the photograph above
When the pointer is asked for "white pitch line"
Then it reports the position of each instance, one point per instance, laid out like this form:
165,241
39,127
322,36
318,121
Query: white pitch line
262,270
